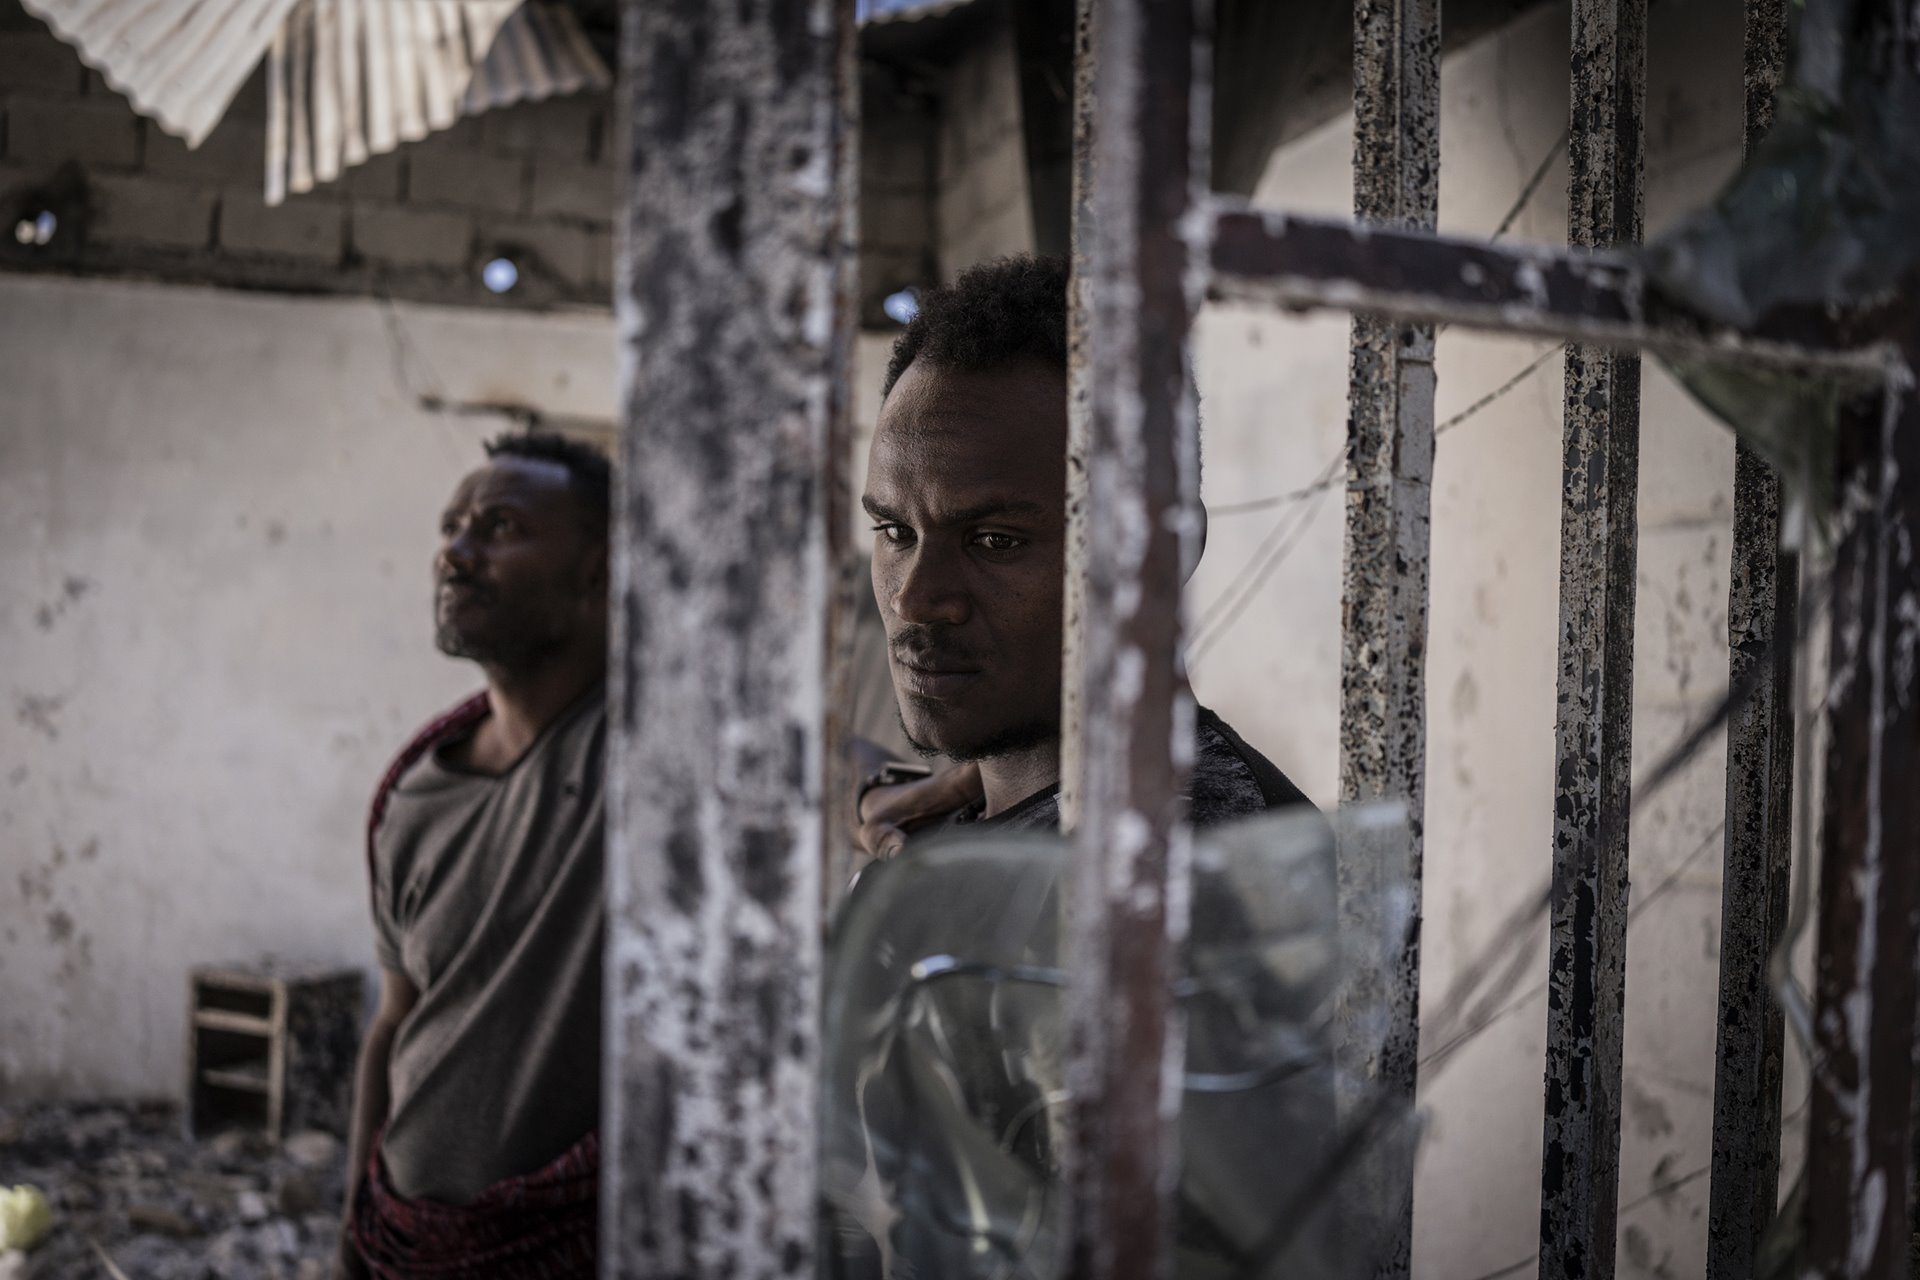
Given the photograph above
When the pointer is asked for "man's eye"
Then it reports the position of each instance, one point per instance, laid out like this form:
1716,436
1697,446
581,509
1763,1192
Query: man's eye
894,533
999,541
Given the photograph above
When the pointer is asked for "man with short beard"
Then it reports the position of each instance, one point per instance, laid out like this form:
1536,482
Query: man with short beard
966,485
478,1093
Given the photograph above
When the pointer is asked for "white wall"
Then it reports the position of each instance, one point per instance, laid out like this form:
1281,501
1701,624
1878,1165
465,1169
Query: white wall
217,512
217,515
1275,410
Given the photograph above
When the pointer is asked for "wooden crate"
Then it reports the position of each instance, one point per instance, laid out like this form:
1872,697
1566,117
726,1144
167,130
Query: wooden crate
271,1049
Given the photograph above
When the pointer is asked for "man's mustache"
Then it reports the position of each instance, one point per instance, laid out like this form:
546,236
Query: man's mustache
462,580
918,645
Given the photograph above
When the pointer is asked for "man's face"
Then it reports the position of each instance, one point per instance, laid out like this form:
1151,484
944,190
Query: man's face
966,485
520,574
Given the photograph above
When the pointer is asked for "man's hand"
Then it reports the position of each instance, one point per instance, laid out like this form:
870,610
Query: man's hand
888,814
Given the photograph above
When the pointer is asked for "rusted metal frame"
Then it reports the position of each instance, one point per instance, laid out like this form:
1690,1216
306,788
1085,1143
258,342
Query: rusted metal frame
852,584
732,306
1079,418
1586,977
1130,849
1860,1132
1526,290
1396,171
1762,606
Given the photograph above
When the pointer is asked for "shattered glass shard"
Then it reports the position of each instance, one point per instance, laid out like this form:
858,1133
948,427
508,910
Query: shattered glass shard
945,1054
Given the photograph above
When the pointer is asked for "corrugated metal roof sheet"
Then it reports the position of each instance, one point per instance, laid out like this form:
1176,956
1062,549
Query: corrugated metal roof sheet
179,62
347,79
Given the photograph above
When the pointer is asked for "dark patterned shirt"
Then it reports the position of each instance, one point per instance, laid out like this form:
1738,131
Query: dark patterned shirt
1230,780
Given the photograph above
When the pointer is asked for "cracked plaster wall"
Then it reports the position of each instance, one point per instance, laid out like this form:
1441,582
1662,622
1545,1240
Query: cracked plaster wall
217,512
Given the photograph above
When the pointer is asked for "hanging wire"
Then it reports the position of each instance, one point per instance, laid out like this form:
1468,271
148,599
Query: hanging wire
1533,185
1500,391
1271,553
1285,536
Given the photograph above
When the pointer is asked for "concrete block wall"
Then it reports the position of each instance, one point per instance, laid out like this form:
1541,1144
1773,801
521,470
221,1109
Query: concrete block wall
533,182
897,187
983,209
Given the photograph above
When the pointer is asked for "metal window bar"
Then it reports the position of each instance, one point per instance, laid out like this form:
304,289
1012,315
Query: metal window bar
1593,742
1383,731
1859,1170
1762,609
715,860
735,318
1134,532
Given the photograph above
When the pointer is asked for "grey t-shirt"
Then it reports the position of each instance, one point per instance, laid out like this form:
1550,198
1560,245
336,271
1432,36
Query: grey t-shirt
489,896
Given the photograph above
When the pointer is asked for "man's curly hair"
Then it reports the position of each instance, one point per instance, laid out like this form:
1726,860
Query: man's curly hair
587,467
994,315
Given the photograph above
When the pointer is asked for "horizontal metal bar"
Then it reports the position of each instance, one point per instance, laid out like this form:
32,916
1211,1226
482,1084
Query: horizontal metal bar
1585,295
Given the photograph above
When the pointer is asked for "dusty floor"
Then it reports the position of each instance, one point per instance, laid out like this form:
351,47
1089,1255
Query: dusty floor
164,1208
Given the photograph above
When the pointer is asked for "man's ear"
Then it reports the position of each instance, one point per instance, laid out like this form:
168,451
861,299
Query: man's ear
1199,543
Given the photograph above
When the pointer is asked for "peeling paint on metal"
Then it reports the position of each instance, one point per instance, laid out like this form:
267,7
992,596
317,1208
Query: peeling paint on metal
1134,451
1396,174
733,311
1861,1128
1590,295
1586,979
1762,610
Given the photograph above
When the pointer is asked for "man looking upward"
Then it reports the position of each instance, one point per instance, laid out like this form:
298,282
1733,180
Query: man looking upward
966,485
478,1092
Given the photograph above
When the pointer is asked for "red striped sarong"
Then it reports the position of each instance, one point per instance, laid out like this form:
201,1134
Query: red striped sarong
540,1226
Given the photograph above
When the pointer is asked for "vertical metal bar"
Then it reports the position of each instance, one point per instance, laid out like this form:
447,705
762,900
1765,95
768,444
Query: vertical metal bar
1860,1130
733,275
1130,849
1383,728
1593,732
1762,604
1079,425
852,585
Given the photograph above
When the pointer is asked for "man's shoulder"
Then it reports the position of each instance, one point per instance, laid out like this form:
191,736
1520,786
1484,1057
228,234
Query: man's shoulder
1231,779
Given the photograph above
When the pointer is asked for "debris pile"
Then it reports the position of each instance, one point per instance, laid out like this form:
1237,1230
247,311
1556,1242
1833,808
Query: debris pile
124,1182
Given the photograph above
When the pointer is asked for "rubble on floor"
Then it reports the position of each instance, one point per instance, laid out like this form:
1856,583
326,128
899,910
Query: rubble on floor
123,1181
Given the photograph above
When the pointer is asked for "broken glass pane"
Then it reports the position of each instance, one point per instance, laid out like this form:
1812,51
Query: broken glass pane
944,1060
